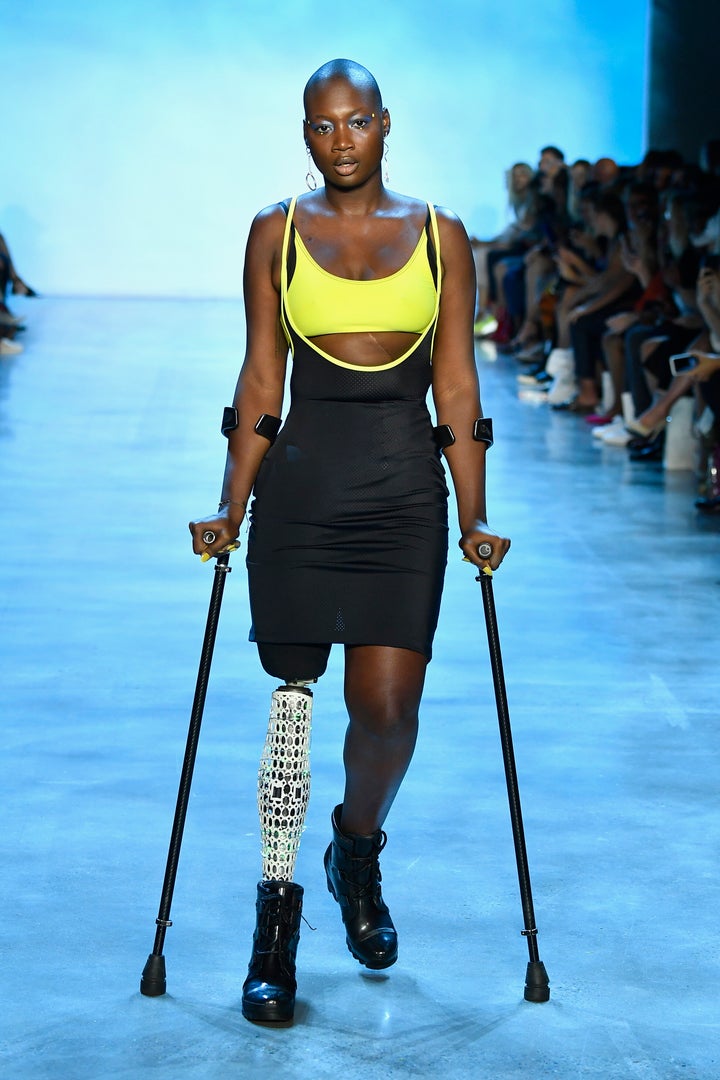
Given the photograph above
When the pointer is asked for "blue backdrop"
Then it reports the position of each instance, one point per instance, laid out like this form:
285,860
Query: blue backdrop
140,136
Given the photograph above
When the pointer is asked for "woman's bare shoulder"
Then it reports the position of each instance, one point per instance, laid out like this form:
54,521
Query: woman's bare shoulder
449,220
452,231
271,218
266,233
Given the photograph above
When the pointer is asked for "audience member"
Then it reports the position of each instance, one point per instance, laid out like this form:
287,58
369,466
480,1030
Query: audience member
10,324
623,276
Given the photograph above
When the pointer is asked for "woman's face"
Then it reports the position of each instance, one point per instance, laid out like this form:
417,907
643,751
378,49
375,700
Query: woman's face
579,174
520,177
344,129
604,224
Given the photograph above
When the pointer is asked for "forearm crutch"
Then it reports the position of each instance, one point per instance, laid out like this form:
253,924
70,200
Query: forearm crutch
537,986
153,982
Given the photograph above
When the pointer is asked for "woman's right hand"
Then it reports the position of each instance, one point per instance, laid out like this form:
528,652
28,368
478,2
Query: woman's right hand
226,533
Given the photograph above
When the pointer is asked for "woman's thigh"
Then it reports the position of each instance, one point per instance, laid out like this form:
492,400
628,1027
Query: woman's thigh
383,686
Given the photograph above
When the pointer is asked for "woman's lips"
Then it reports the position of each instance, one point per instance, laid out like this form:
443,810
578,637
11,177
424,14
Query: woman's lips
345,168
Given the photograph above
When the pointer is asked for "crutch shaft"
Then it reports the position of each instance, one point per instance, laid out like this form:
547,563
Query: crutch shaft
508,753
153,982
536,983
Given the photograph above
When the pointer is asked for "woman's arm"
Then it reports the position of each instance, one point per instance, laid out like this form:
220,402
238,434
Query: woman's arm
456,392
260,384
610,285
707,367
708,287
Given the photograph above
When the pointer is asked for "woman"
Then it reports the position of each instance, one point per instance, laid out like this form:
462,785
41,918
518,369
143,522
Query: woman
513,240
374,293
600,295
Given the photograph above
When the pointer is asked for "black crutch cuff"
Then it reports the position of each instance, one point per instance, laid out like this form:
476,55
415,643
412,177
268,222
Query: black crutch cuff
267,426
483,430
229,420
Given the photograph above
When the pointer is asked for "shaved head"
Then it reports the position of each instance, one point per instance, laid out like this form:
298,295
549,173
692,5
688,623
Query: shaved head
345,71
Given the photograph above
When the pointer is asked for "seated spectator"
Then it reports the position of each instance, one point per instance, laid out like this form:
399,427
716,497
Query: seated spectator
522,281
659,166
573,255
640,257
511,240
647,432
580,175
9,323
598,296
624,273
606,172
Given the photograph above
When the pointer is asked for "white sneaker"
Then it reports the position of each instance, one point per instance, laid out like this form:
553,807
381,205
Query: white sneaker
564,389
560,361
561,364
9,348
616,435
616,424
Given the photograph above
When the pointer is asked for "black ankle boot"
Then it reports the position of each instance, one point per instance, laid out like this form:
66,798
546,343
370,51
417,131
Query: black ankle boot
269,990
353,877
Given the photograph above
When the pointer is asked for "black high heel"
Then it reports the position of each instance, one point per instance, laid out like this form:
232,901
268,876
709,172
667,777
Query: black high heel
649,449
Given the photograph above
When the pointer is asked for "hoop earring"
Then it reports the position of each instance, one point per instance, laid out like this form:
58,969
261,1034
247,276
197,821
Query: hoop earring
310,179
386,176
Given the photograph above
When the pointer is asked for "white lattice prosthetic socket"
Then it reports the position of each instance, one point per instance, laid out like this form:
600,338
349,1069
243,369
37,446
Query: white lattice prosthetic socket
284,780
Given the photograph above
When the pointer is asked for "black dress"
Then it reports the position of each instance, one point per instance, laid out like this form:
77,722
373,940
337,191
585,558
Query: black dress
348,525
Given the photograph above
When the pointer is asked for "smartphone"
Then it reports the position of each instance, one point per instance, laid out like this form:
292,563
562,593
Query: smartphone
682,362
711,261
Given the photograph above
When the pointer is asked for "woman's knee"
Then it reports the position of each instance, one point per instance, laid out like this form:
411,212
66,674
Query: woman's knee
391,717
384,711
649,346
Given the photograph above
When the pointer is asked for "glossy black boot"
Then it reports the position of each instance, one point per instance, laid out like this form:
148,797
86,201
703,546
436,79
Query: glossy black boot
353,877
269,990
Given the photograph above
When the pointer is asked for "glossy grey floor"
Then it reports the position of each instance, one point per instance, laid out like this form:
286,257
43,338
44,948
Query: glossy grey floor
608,609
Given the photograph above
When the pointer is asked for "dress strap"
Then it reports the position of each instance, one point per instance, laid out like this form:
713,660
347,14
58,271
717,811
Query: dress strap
435,262
433,235
288,251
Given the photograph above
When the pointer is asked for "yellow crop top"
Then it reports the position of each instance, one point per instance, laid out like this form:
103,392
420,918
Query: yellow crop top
318,302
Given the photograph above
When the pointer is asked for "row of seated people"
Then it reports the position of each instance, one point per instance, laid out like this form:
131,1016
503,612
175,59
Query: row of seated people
606,287
10,282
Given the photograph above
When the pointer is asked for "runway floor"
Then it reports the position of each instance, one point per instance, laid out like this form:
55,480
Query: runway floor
609,608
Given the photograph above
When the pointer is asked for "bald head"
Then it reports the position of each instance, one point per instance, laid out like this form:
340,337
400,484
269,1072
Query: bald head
342,71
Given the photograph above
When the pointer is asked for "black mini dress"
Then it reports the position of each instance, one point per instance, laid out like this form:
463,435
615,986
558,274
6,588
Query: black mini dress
348,525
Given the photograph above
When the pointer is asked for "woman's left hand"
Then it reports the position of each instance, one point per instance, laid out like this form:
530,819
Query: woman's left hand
481,533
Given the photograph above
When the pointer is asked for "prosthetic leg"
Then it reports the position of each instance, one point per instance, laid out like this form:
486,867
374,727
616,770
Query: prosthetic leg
283,796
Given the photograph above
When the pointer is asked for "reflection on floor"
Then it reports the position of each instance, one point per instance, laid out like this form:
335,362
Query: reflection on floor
608,610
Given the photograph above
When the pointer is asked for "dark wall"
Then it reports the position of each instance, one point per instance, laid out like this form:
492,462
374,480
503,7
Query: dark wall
684,83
